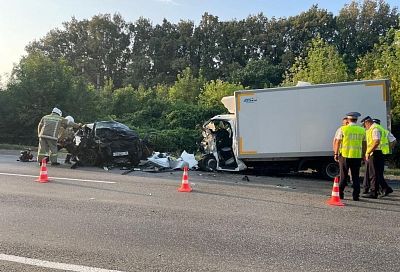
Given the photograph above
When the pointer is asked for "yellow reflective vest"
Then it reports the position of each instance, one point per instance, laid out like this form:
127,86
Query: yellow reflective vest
353,137
49,126
384,141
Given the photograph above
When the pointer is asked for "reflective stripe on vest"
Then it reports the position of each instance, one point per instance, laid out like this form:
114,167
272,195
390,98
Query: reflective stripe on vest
353,137
51,125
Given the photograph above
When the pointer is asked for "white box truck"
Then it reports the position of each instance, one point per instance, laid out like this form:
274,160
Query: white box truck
288,128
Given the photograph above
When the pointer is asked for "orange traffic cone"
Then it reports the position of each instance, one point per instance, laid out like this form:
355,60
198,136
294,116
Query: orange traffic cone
43,172
335,199
185,187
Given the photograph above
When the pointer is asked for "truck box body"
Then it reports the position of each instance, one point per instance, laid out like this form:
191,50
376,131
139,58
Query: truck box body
301,121
290,128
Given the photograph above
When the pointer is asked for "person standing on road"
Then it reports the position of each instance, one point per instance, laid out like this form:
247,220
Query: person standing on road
392,140
345,122
377,147
350,143
48,131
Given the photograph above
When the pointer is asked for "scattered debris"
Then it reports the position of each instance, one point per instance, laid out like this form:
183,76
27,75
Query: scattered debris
26,156
164,162
246,178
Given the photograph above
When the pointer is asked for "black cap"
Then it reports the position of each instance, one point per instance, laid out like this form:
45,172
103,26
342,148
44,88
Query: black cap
367,118
353,115
376,121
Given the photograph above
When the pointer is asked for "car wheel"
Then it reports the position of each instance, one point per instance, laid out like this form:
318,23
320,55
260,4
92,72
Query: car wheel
89,157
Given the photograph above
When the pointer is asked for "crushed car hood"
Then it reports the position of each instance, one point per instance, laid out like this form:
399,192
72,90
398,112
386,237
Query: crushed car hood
110,131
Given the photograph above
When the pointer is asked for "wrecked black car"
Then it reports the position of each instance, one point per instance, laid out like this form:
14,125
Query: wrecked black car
108,143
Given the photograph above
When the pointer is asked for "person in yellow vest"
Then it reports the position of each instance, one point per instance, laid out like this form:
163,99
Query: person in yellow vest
350,143
377,146
345,122
48,131
390,140
390,136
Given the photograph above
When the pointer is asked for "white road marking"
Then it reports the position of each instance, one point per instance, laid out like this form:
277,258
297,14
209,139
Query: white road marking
54,265
50,178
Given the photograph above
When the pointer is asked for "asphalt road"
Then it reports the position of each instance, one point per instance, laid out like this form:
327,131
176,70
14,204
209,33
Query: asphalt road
89,219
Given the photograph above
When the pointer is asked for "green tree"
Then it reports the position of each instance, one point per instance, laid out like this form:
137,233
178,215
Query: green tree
207,33
124,100
98,48
231,47
164,48
152,104
7,119
140,63
384,62
187,53
258,74
360,25
214,91
187,87
323,64
37,85
301,29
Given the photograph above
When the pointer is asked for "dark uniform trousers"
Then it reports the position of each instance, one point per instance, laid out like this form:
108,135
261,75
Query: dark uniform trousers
374,176
354,165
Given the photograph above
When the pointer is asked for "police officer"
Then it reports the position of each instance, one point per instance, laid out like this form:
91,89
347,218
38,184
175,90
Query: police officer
390,136
377,147
48,131
345,122
350,143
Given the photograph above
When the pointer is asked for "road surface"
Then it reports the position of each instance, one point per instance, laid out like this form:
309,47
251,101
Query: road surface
89,219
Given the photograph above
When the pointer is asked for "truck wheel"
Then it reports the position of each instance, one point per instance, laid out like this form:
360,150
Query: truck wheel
208,163
329,170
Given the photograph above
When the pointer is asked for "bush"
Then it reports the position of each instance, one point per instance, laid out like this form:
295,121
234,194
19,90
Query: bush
172,140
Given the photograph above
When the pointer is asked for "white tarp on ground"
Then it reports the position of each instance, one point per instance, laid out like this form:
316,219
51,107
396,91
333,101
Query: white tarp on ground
165,161
190,159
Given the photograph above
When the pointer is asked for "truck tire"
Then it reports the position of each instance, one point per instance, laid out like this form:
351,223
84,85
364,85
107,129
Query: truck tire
208,163
329,170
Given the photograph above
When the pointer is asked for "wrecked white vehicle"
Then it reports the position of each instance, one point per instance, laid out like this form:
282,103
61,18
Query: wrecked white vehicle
108,143
290,129
217,147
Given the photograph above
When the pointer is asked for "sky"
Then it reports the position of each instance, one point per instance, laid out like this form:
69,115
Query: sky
23,21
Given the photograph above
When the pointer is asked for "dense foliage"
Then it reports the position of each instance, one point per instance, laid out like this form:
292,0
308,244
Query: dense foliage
166,79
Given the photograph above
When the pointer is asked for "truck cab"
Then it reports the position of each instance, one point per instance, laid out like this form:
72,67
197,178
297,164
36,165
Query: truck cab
219,146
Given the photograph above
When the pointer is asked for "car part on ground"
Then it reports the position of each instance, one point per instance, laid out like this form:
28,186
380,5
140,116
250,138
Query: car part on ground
26,155
165,162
